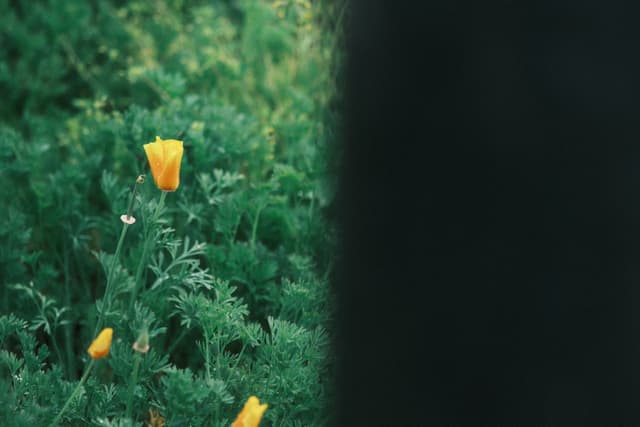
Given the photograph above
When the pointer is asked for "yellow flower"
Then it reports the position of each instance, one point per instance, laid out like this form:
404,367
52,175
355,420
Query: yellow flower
99,348
155,419
164,158
251,413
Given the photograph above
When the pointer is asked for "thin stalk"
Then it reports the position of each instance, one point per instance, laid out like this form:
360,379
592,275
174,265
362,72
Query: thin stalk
218,352
56,349
207,360
106,299
68,340
254,231
145,249
112,268
55,421
139,271
81,271
311,207
51,331
175,342
132,384
5,299
239,358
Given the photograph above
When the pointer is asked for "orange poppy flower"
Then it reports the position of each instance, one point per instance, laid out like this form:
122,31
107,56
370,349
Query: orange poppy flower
99,348
251,414
164,158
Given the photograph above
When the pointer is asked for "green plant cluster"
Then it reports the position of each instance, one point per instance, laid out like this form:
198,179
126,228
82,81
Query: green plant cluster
230,276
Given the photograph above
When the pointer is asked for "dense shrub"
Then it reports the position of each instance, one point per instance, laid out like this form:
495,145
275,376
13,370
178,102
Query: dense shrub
230,275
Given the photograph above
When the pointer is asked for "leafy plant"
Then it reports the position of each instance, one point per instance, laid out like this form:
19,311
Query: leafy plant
225,279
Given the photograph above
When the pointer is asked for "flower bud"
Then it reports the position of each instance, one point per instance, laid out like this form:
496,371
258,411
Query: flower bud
251,414
164,158
142,343
99,348
128,219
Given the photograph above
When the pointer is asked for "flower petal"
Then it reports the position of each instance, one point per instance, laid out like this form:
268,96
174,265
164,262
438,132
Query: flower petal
251,413
155,155
99,348
169,179
165,157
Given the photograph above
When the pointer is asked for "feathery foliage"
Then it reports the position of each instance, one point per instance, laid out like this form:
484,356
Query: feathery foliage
229,276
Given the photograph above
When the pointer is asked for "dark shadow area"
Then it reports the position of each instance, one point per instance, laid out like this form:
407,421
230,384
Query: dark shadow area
489,207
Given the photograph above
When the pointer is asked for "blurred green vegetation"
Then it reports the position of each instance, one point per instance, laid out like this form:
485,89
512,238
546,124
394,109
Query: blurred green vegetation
245,255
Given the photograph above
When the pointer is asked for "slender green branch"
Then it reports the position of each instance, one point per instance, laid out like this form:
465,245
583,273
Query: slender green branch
254,231
106,298
56,349
239,356
48,327
132,383
68,340
142,263
81,271
56,420
174,344
156,214
218,351
207,360
139,271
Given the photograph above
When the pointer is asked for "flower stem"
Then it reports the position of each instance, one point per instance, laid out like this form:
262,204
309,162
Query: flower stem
207,358
174,344
132,384
57,351
145,250
106,298
68,338
73,395
254,231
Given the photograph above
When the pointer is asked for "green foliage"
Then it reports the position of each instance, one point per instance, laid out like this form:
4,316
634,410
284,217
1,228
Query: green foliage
229,276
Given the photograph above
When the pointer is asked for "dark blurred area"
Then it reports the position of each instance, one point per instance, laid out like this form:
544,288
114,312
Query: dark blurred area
489,200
